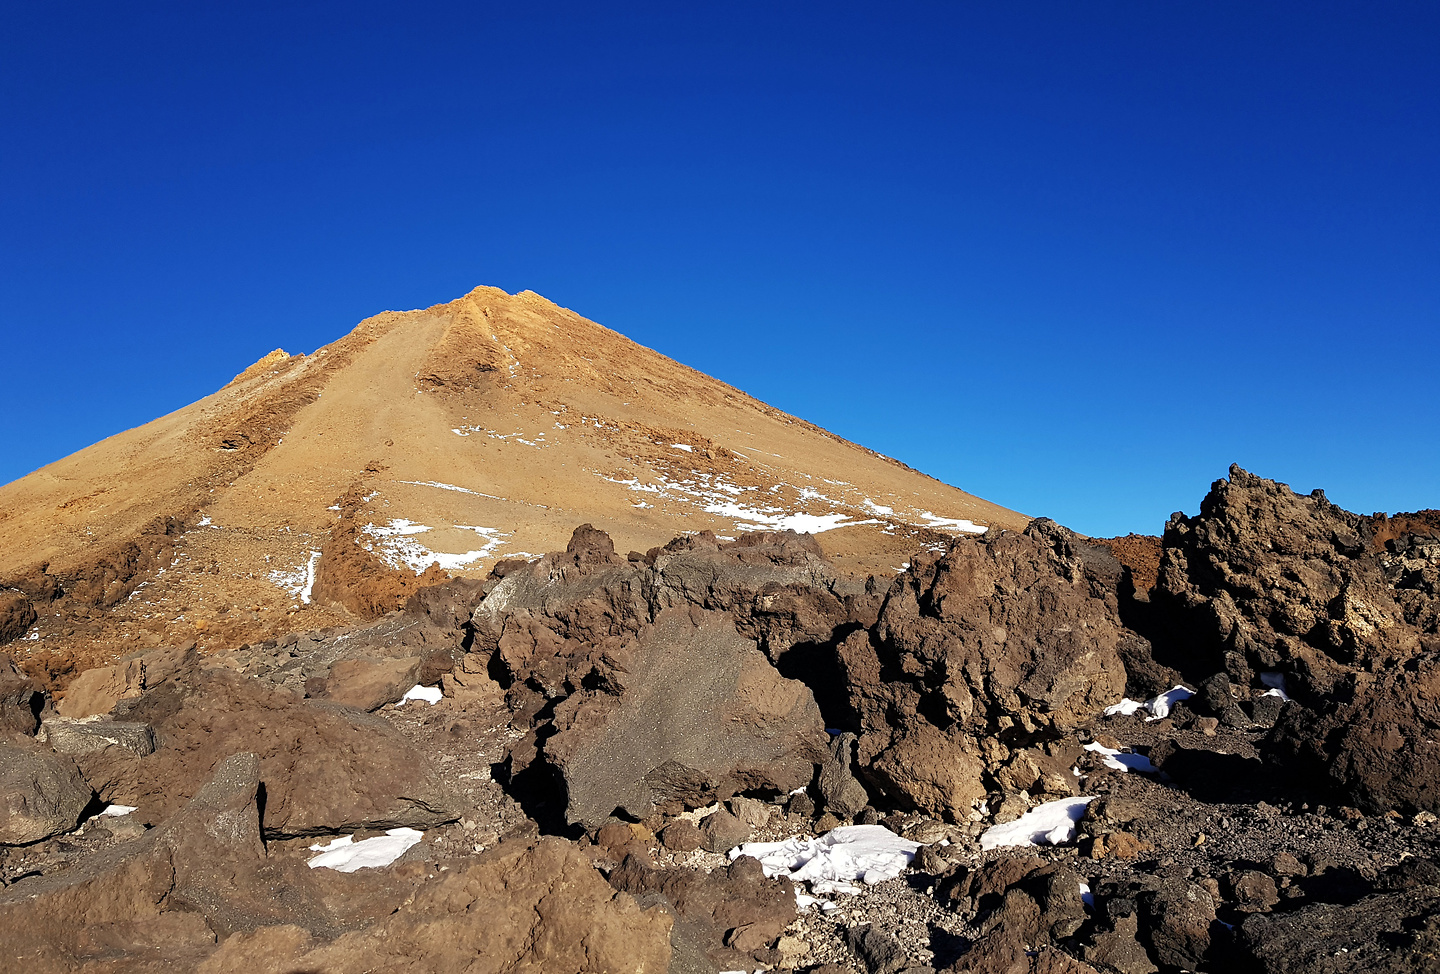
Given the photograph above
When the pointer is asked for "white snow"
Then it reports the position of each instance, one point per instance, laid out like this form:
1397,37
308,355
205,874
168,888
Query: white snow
300,582
1052,823
430,695
437,484
397,546
963,525
682,446
118,811
875,508
1157,707
1087,897
838,860
1122,760
346,855
1276,683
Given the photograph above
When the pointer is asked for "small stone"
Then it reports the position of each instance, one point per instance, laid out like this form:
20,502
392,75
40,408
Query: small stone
827,822
1207,725
723,831
681,835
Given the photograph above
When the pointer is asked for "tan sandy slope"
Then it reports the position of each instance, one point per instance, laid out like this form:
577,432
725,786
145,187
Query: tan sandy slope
482,429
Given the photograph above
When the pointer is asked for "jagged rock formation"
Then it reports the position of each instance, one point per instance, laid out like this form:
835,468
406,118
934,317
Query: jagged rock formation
652,711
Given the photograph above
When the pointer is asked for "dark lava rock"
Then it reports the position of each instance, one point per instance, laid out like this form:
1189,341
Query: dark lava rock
876,949
20,701
1391,932
17,615
735,912
1267,580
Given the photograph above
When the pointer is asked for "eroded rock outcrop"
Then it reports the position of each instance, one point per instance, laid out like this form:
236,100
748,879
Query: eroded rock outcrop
996,641
1267,580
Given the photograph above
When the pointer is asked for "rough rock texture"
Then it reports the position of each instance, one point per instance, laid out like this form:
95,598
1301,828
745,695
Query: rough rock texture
17,615
96,691
1264,579
996,639
595,643
326,768
731,724
733,914
90,736
161,900
518,908
368,684
41,793
1391,932
20,701
1377,747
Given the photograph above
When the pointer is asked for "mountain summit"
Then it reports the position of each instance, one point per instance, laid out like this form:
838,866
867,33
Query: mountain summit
314,488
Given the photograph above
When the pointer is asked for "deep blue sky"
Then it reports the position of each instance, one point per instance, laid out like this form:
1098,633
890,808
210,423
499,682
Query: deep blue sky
1073,257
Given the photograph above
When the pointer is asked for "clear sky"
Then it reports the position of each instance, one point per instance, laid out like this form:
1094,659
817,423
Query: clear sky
1075,258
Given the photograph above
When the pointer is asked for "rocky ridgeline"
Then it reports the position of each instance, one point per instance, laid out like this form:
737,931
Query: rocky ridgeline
609,728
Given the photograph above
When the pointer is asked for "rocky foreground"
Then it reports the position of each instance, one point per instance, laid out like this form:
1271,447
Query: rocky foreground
1028,752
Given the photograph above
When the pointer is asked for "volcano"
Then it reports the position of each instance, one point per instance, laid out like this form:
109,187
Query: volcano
316,488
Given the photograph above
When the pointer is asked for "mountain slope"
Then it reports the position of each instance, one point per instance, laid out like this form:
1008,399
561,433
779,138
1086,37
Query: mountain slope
466,433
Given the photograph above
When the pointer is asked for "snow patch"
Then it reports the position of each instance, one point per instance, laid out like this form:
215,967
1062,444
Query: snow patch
430,695
118,811
1156,707
397,547
1122,760
682,446
1052,823
300,582
875,508
346,855
1276,683
963,525
837,861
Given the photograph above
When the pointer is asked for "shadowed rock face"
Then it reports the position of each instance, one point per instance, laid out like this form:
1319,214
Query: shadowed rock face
997,641
1345,608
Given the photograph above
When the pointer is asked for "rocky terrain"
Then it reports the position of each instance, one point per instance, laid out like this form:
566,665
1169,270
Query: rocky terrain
1028,751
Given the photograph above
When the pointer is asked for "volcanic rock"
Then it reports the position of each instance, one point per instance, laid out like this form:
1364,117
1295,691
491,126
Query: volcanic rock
20,701
731,724
1002,632
368,684
733,912
1267,580
41,793
17,615
1388,933
326,768
1377,748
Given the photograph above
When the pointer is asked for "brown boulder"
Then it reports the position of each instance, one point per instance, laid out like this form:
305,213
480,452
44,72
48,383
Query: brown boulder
518,908
1264,579
17,615
98,690
1008,631
326,768
369,684
20,701
1377,748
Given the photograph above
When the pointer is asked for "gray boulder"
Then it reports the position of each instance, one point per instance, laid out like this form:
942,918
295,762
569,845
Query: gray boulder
41,793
